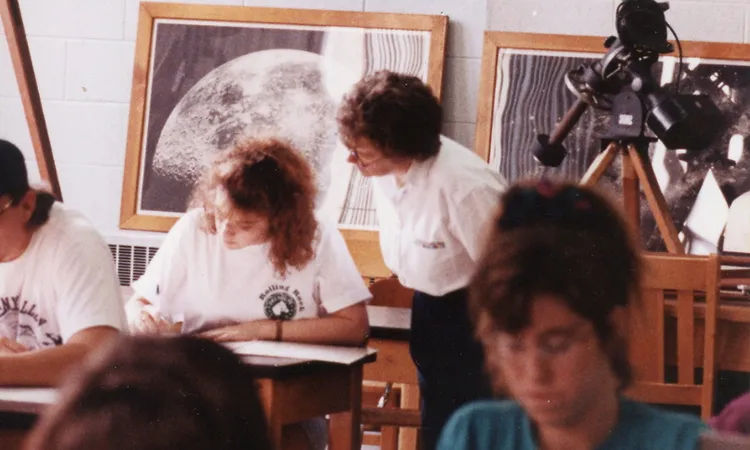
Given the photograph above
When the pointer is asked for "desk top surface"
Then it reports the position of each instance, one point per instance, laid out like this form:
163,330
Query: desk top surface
32,400
387,322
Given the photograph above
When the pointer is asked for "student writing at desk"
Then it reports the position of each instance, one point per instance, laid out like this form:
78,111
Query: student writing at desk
59,295
252,261
433,199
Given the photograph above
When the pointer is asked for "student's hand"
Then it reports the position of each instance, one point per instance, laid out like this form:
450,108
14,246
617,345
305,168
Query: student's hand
150,321
246,331
9,347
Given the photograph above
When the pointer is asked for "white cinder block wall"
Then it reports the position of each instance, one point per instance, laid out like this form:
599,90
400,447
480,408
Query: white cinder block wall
82,52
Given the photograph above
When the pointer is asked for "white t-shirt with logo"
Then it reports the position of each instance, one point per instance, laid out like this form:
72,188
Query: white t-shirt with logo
194,278
63,283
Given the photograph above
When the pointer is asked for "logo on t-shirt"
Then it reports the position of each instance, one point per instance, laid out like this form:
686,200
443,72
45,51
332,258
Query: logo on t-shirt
21,319
281,304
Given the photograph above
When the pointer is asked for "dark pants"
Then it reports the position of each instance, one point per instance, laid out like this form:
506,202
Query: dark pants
449,361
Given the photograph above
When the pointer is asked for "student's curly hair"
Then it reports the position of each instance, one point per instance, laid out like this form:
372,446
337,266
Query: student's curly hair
398,113
560,239
268,177
156,393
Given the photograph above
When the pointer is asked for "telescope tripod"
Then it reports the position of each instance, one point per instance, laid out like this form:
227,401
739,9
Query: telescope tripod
637,171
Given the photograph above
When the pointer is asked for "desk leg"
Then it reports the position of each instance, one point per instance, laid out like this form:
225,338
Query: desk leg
408,437
344,428
271,395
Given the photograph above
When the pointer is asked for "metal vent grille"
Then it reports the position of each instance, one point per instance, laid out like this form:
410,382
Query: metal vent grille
131,261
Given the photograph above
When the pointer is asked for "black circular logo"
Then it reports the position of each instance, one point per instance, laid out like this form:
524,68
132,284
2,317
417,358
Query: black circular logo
280,306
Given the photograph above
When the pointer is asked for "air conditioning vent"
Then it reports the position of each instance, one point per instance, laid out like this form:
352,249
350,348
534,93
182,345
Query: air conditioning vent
131,261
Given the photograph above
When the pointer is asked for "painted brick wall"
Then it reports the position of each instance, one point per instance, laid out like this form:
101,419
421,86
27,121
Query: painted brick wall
83,55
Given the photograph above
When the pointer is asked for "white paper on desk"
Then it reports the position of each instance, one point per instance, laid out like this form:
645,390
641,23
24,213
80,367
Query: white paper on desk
42,396
307,352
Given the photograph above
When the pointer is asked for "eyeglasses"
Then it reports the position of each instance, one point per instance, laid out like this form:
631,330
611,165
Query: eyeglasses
355,155
555,344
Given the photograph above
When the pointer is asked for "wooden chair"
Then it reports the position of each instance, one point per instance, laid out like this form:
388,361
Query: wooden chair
383,402
677,290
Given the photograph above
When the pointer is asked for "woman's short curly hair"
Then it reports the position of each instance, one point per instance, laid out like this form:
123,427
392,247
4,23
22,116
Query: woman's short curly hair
560,239
266,176
398,113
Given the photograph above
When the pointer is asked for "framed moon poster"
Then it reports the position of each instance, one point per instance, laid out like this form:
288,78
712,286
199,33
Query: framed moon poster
523,93
208,76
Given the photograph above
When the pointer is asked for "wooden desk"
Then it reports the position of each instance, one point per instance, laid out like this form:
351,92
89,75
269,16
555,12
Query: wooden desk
389,334
290,390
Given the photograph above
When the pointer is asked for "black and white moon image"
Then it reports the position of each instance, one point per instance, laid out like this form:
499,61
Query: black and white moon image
214,84
268,93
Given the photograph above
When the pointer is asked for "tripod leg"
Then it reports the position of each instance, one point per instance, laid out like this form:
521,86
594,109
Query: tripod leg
599,166
656,201
631,192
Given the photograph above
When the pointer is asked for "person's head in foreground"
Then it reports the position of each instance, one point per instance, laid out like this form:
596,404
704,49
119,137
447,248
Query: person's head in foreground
549,304
262,190
22,209
147,393
387,120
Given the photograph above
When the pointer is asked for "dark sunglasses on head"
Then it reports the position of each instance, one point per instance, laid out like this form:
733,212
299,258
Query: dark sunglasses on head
547,203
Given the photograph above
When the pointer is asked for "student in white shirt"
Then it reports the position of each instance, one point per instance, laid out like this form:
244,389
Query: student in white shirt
434,199
251,261
59,295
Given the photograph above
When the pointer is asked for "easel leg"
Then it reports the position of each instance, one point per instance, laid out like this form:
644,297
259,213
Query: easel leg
10,13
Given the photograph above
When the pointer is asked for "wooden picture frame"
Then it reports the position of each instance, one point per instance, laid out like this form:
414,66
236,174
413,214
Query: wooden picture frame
511,114
241,37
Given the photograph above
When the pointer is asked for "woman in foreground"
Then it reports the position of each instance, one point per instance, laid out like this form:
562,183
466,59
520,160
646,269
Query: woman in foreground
150,393
549,304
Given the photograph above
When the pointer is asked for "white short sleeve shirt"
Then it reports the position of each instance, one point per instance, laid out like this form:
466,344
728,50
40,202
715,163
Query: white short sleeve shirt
196,279
432,229
63,283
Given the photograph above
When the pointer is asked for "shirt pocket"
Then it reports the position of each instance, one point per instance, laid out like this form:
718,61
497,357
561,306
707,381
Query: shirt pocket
434,241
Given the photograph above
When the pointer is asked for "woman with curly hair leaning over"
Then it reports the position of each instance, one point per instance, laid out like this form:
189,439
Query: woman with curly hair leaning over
251,261
549,304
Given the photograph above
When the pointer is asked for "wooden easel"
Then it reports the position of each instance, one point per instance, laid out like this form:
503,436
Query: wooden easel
10,13
636,169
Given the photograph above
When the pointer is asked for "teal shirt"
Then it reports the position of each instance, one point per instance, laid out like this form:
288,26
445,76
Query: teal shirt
503,425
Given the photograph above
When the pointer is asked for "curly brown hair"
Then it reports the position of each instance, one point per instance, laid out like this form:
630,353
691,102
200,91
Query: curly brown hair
398,113
266,176
563,240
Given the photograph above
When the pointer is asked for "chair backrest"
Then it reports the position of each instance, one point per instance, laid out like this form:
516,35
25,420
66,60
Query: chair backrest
676,290
389,292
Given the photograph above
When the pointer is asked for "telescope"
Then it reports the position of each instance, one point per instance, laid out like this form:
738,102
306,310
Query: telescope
622,83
